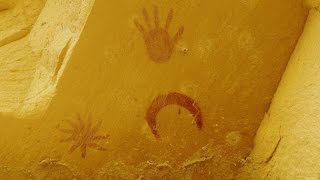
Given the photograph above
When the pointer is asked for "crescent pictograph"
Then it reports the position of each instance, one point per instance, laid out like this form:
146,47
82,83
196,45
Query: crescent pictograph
172,98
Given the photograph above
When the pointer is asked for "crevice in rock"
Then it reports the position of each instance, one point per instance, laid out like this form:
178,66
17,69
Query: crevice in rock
274,151
61,58
15,36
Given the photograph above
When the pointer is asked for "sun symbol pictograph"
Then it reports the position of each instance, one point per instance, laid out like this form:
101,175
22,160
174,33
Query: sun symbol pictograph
83,134
159,44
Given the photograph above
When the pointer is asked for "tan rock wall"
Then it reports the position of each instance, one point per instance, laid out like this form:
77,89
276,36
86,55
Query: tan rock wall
33,38
203,84
287,142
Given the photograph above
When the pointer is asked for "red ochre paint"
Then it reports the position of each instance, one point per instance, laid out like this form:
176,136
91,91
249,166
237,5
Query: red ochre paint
172,98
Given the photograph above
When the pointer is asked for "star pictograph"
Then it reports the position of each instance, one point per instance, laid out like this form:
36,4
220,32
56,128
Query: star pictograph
83,134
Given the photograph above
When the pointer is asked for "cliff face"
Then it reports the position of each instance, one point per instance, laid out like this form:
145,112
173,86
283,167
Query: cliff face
34,41
134,89
287,142
17,58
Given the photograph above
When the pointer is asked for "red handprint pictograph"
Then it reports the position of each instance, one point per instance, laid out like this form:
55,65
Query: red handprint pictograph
159,43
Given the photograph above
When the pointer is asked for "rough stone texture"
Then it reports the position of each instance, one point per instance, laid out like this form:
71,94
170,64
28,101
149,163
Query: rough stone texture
229,60
34,42
287,144
17,57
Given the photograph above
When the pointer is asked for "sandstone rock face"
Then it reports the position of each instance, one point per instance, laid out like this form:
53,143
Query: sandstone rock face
34,41
17,57
287,142
133,89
